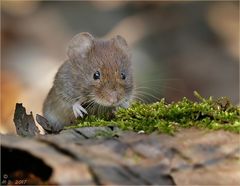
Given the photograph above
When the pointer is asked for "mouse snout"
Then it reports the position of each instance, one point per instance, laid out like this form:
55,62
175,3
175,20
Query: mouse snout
113,98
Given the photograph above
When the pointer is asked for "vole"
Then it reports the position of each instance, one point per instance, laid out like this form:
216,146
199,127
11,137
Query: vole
96,77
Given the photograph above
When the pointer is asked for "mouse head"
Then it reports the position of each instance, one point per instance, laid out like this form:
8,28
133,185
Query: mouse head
102,68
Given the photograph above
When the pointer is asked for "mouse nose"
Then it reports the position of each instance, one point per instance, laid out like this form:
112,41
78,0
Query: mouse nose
113,98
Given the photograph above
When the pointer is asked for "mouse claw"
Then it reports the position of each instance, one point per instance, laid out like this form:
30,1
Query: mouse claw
78,110
125,105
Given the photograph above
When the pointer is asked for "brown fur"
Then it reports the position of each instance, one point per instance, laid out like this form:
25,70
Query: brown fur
74,80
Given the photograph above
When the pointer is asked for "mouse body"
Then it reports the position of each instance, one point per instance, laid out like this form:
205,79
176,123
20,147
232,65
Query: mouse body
95,79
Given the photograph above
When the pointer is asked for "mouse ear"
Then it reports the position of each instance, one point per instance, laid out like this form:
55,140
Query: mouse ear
80,45
121,43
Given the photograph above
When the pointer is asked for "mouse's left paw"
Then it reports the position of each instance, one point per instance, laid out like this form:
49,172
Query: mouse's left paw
125,105
78,110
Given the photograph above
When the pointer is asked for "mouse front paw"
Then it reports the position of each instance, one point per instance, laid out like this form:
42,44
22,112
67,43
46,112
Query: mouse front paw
125,105
78,110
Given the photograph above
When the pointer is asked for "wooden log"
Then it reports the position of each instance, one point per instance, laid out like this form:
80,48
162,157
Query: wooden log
25,124
191,157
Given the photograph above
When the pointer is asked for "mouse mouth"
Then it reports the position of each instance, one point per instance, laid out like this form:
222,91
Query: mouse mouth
106,103
111,101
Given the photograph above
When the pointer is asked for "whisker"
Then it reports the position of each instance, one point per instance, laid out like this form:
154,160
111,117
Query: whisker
138,98
158,87
147,94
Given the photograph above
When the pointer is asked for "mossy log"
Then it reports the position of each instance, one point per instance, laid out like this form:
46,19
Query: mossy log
111,156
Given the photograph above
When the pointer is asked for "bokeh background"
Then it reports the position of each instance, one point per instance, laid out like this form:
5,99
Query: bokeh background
177,47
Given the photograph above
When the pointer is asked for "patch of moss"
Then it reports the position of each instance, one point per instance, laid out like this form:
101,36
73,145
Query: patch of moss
167,118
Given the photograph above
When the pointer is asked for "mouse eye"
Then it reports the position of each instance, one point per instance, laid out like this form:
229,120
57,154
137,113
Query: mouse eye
96,75
123,76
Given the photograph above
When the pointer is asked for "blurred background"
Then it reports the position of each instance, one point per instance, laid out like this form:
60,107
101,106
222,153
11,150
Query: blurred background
177,47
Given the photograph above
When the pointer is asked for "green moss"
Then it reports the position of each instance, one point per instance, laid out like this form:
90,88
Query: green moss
167,118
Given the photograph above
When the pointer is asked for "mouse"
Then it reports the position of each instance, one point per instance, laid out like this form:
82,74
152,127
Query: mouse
96,79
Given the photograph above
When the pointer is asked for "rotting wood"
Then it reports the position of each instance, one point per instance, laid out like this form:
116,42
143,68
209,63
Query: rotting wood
25,124
80,156
190,157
